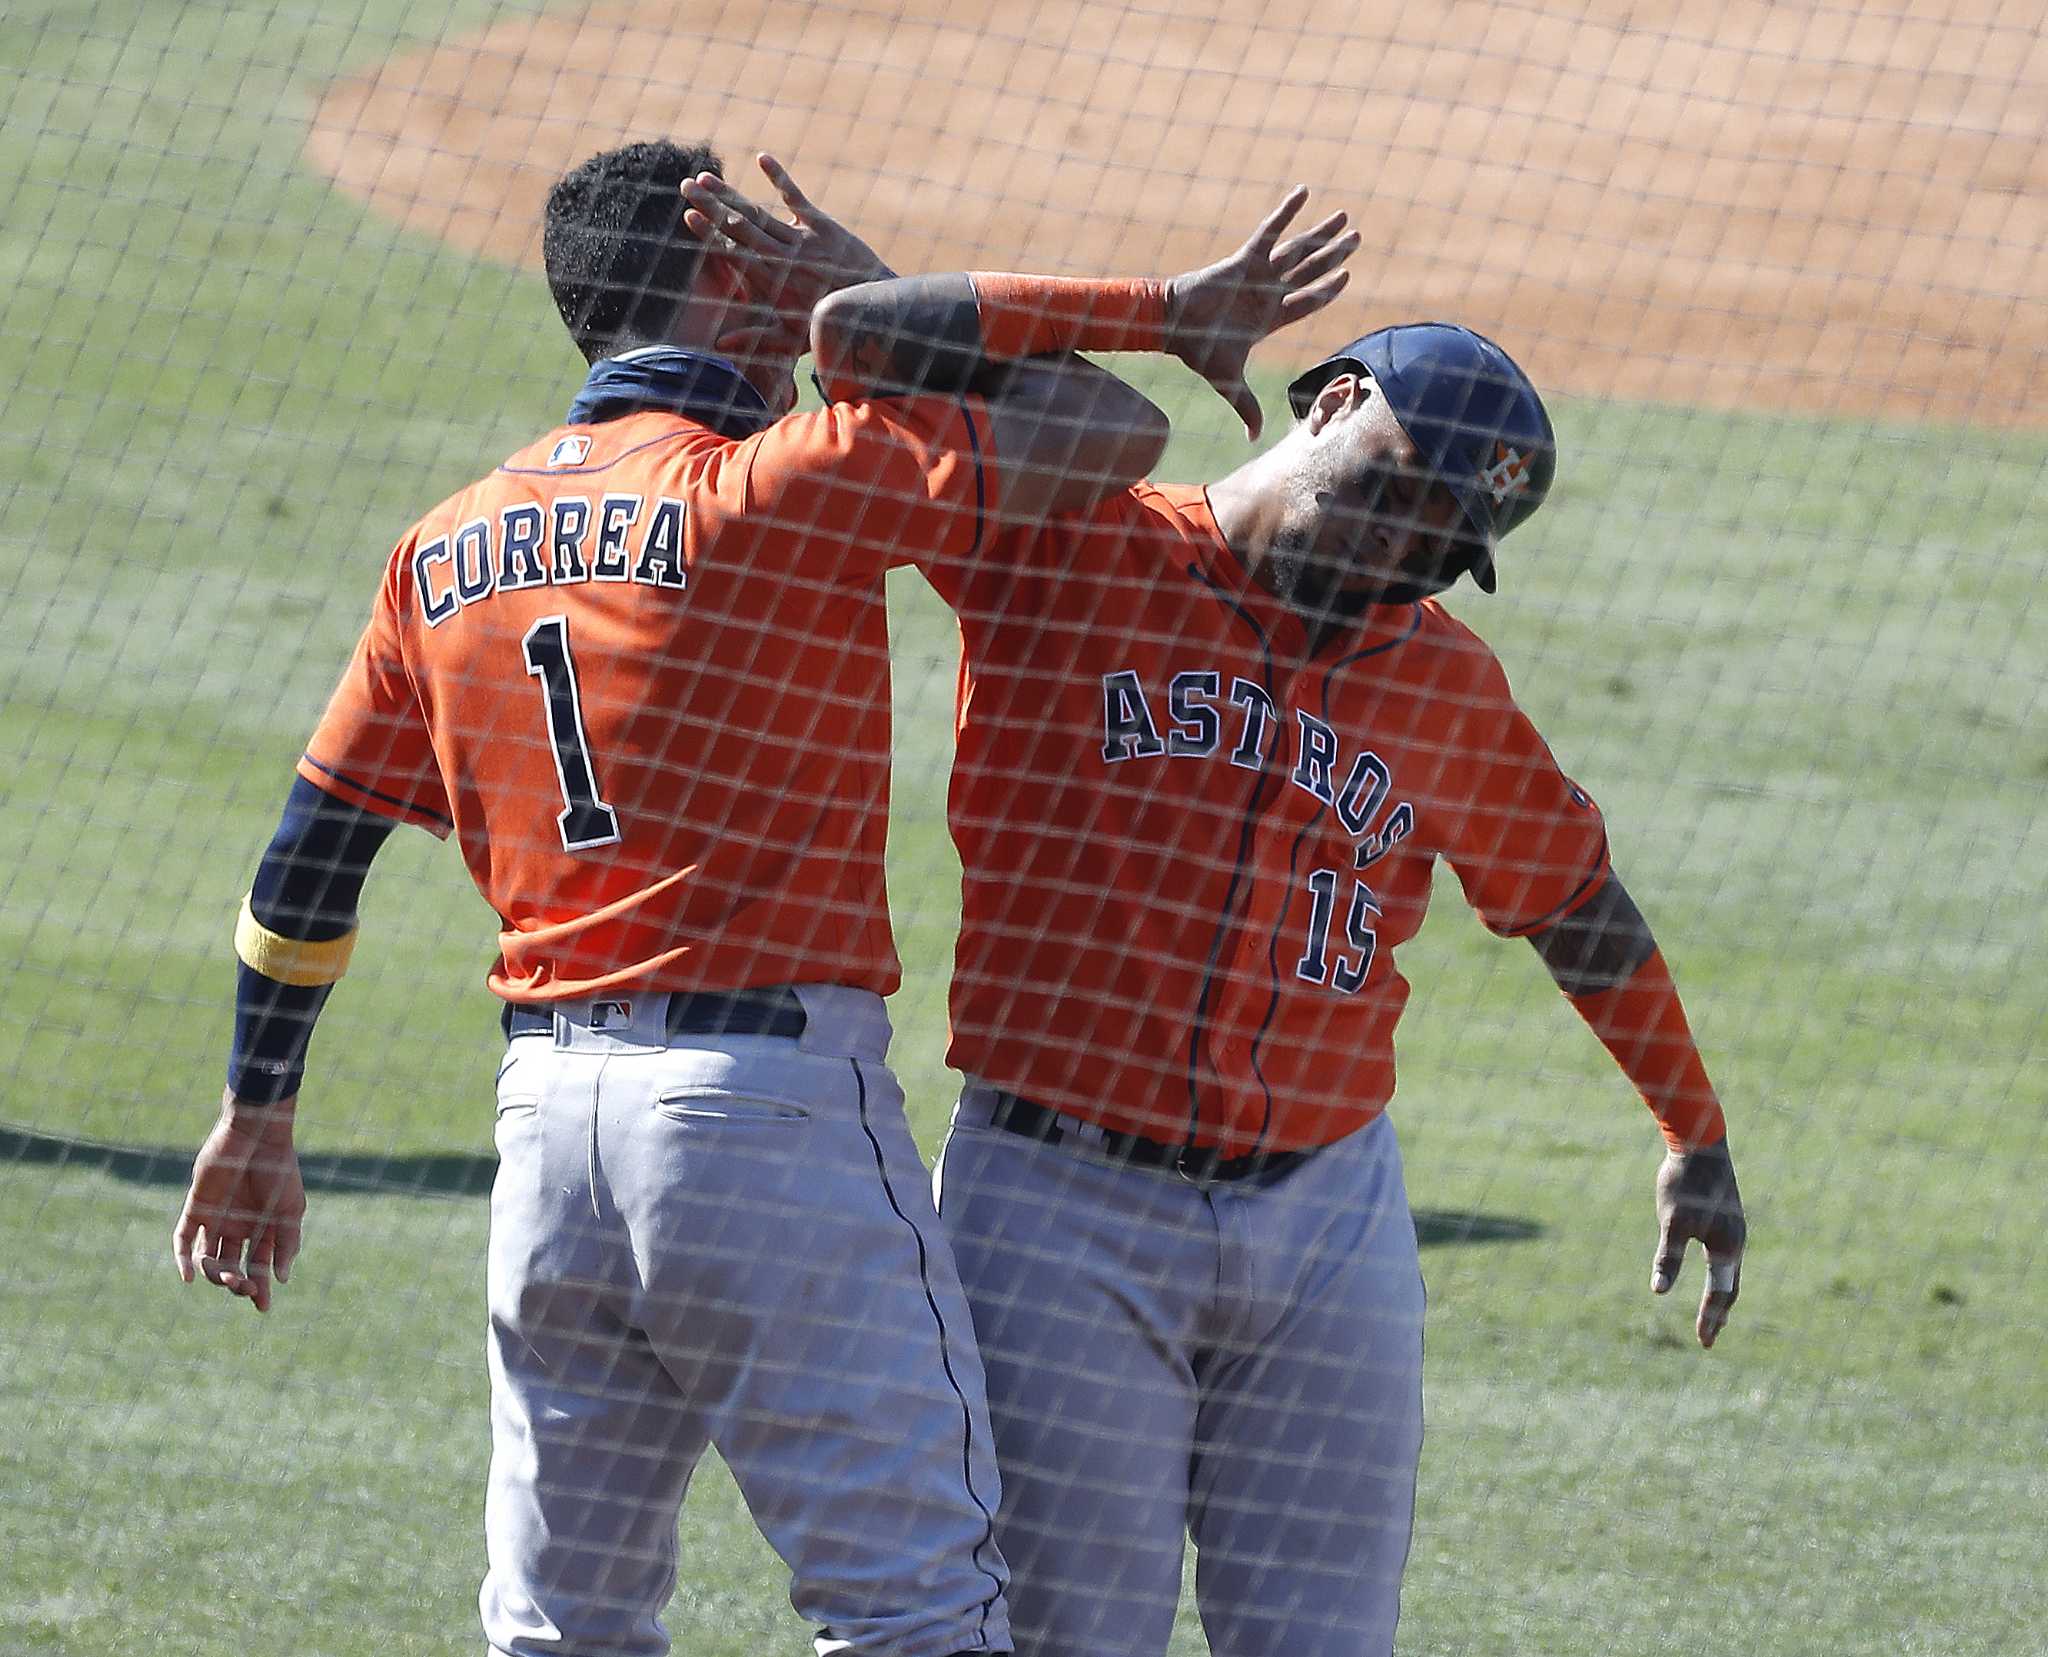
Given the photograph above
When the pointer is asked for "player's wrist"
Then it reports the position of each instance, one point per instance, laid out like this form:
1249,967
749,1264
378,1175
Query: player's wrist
1173,313
857,274
271,1121
1688,1115
1704,1152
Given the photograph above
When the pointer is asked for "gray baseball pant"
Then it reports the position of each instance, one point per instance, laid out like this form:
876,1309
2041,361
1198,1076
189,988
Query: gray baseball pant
729,1241
1238,1362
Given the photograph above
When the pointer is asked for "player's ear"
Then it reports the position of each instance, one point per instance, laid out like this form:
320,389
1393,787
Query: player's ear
1337,395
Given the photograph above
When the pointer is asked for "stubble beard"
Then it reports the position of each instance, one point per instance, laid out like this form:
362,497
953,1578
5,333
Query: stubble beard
1310,581
1307,583
1326,590
1320,593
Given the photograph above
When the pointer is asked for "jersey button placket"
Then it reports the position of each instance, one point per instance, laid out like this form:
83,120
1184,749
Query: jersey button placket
1249,1000
1231,1048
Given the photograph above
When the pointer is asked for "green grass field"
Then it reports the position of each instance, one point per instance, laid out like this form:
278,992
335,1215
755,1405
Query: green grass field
1800,665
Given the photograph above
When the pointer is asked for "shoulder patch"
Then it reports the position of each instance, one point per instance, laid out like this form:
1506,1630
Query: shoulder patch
572,450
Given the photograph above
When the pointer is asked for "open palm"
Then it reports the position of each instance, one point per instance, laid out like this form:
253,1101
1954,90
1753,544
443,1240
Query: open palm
788,264
1215,315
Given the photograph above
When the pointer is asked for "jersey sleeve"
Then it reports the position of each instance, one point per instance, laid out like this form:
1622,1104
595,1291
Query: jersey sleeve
853,489
372,746
1527,843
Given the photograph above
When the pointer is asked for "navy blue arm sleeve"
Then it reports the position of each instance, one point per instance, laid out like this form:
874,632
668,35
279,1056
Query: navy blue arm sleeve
306,887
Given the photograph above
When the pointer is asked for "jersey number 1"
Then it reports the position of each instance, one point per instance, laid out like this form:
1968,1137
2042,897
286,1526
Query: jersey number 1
585,820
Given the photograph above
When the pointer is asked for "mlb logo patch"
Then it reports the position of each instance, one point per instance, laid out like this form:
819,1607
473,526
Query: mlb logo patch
610,1015
570,451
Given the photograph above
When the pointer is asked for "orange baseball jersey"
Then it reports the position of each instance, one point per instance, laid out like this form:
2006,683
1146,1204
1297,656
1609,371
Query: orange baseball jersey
641,673
1191,851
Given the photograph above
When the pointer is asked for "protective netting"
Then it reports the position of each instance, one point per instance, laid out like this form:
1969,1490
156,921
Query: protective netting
274,291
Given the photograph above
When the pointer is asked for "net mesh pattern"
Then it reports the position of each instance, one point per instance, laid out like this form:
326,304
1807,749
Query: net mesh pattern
281,362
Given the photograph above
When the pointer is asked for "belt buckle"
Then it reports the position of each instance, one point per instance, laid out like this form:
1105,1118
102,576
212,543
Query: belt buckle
1196,1152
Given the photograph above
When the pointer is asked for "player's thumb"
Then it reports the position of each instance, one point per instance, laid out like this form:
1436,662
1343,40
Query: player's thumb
1245,401
1670,1260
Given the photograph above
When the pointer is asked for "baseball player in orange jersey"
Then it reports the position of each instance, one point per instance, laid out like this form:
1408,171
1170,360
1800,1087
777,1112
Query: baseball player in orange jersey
639,673
1211,743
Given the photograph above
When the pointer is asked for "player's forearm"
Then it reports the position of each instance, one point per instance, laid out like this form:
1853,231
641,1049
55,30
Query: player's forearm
273,1030
1605,959
293,939
1642,1023
942,333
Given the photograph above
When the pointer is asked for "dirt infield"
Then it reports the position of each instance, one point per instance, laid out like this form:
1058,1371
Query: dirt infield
1804,205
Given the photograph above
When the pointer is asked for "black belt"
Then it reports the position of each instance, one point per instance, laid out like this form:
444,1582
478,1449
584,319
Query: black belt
1199,1163
770,1012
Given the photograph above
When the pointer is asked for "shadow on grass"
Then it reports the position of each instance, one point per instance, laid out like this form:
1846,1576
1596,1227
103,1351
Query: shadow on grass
1439,1227
455,1175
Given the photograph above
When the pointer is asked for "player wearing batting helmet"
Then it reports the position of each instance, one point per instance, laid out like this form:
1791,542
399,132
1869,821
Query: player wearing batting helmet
640,674
1212,742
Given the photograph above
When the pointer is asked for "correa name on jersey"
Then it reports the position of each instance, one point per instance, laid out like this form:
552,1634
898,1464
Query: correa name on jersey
1194,729
569,539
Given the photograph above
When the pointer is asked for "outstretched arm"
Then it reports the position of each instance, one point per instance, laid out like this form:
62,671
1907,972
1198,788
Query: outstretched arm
1068,432
939,332
1606,961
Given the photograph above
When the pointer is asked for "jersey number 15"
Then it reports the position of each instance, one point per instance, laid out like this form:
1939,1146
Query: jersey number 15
1315,965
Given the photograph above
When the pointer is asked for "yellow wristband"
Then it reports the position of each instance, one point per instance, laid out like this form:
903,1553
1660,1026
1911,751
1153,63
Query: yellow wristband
290,960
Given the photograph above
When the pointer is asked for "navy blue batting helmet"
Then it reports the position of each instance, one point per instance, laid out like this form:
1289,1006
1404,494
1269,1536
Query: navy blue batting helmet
1468,408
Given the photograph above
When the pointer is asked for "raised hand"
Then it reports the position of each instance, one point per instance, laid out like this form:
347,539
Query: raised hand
1215,315
787,264
1697,1198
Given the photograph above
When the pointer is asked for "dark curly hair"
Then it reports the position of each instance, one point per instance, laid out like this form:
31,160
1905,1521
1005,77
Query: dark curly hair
618,259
